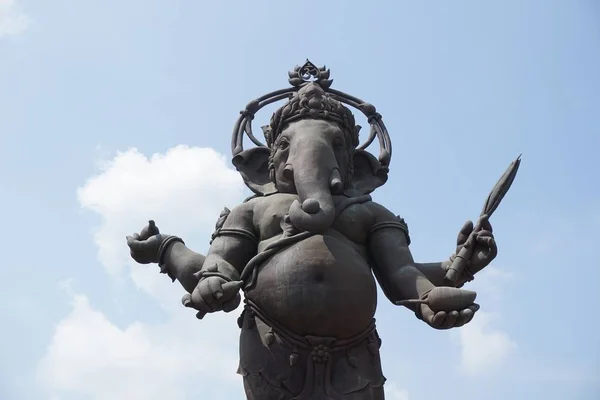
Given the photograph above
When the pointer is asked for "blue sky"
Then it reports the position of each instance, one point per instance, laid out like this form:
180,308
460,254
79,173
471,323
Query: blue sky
463,87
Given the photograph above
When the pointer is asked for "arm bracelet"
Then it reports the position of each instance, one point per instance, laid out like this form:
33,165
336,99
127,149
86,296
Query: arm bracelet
162,251
234,232
399,224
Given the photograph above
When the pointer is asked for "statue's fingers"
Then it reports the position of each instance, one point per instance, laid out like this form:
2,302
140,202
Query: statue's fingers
469,318
134,244
484,223
198,299
489,243
136,236
486,241
450,320
201,314
231,288
485,233
438,319
464,233
206,294
186,300
232,304
425,313
212,268
464,317
473,309
215,288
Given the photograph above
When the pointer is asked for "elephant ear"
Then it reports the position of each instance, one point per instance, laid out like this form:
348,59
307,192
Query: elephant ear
369,174
253,165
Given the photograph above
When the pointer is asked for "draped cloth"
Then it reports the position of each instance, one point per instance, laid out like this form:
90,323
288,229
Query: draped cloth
278,364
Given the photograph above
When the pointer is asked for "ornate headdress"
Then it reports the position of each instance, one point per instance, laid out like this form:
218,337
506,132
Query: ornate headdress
311,101
310,96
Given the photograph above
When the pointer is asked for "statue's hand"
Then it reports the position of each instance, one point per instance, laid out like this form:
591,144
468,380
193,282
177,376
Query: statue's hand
213,294
447,320
484,249
144,246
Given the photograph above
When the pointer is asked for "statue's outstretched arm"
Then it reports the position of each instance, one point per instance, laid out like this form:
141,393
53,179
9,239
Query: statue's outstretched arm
404,282
234,243
484,250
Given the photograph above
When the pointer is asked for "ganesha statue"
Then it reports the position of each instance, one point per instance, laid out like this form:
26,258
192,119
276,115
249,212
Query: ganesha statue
308,249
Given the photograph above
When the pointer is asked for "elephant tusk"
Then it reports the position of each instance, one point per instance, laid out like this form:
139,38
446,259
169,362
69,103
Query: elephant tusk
288,172
335,182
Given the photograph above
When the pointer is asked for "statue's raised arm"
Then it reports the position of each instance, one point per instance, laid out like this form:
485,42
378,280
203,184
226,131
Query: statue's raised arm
309,248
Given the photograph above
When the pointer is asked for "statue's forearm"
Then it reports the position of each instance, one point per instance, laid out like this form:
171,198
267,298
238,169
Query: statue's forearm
435,272
182,263
413,279
225,258
397,273
408,282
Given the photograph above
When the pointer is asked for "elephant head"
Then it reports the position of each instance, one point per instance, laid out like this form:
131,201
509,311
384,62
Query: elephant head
311,152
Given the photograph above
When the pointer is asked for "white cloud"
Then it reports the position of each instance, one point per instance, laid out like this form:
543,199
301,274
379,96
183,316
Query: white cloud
184,190
490,286
12,20
89,356
483,348
484,345
393,392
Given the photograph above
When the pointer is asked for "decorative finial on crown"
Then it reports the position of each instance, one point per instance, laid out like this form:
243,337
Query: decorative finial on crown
309,72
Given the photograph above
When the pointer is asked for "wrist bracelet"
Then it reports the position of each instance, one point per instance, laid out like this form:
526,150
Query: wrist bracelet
162,251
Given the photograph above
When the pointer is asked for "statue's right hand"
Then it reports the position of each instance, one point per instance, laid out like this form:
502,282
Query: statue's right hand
213,294
143,247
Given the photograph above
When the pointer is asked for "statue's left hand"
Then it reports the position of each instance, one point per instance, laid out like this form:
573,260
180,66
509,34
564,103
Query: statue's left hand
447,320
143,247
484,249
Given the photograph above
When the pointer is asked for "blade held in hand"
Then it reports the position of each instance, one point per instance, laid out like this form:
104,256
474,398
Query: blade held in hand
501,188
493,201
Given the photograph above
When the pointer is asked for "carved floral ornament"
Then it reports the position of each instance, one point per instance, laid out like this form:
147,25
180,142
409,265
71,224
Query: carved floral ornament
311,96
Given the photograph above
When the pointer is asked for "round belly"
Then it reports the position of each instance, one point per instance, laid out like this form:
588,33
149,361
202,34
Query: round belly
320,286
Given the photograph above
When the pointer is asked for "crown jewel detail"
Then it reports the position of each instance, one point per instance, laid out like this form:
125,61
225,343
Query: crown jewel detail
311,101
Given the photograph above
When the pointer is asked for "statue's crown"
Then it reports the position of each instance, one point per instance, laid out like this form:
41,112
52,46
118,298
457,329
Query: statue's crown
311,101
311,96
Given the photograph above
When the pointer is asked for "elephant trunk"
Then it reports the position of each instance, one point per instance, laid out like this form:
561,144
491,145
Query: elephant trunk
315,212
